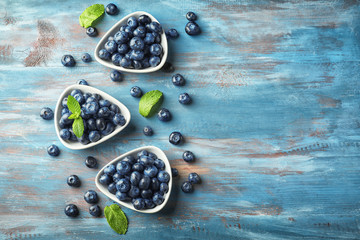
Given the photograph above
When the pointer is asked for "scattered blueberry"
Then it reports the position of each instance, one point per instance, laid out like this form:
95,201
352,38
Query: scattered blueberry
194,178
184,98
91,197
85,57
46,113
191,16
192,28
91,162
95,210
187,187
53,150
136,92
91,32
174,172
188,156
82,82
112,9
68,61
71,210
148,131
175,138
73,181
172,33
178,80
164,115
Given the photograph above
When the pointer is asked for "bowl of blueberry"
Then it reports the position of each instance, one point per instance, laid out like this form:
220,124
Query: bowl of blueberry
102,117
140,179
137,43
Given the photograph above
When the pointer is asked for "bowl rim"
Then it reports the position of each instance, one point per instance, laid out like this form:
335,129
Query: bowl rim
84,88
102,41
129,205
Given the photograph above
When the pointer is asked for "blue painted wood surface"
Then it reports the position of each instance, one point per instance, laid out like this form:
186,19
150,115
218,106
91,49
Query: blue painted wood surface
274,122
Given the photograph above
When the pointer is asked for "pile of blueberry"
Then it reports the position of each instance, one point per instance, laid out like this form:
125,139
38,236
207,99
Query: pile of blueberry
100,117
136,45
141,180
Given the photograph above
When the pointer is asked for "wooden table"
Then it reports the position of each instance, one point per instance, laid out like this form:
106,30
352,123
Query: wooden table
274,122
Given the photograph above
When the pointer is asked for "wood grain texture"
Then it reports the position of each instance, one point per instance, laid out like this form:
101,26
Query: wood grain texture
274,122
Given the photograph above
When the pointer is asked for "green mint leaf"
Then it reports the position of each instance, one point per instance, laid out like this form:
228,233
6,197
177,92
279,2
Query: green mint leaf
91,15
78,127
73,116
116,218
150,102
73,105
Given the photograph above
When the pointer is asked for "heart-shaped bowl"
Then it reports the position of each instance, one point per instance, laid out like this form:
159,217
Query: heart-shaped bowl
115,29
87,89
161,155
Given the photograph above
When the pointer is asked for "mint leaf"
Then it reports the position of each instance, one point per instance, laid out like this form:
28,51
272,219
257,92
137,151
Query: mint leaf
91,15
78,127
116,218
73,105
73,116
150,102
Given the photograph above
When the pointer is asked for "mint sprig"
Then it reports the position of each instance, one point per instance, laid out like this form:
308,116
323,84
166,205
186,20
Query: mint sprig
116,218
75,109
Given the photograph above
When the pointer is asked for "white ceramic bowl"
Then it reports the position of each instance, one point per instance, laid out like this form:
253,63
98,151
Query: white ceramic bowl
161,155
115,29
87,89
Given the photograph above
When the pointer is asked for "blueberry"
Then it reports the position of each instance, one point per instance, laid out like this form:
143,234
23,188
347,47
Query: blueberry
192,28
68,61
91,162
91,125
150,171
108,129
184,98
139,203
163,176
178,80
129,30
114,108
136,43
144,19
155,27
100,124
123,167
64,102
112,188
194,178
110,170
164,188
91,197
123,48
152,155
82,82
111,46
138,167
71,210
155,184
144,182
164,115
117,176
145,63
73,181
137,55
146,161
121,37
156,49
154,61
187,187
125,62
74,92
104,103
91,99
85,57
128,55
157,37
134,192
80,98
116,59
159,164
135,178
53,150
188,156
95,210
111,9
175,138
149,203
84,139
136,64
64,111
140,32
158,199
142,153
172,33
191,16
65,134
103,54
91,32
73,136
132,22
46,113
91,107
116,76
123,185
122,196
146,193
148,131
136,92
103,112
174,172
130,159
